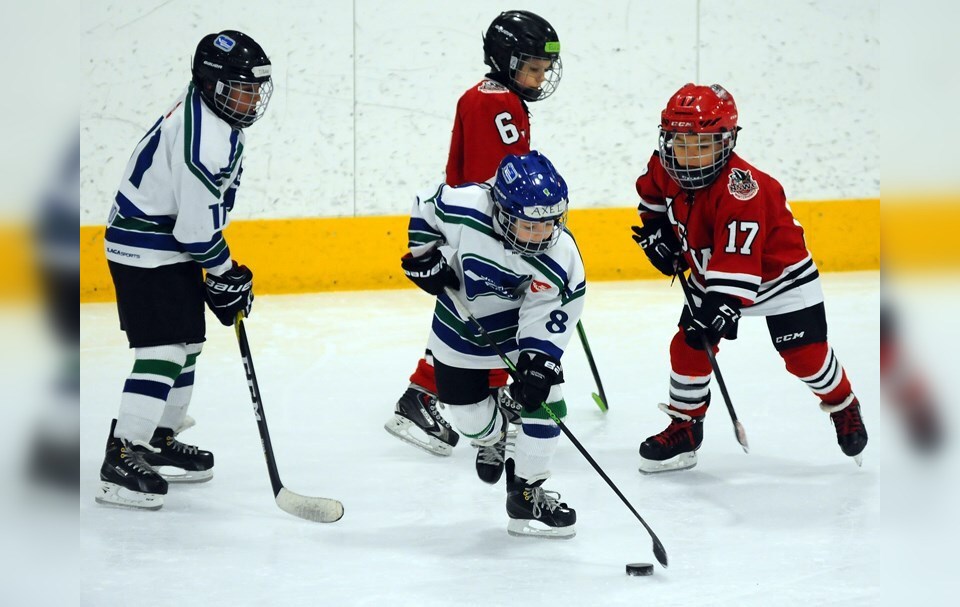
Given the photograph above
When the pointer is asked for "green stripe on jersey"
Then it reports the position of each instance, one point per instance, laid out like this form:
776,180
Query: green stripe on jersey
546,271
189,132
135,224
212,252
466,331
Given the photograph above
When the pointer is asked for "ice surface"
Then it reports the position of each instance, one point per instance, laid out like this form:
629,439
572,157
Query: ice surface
793,523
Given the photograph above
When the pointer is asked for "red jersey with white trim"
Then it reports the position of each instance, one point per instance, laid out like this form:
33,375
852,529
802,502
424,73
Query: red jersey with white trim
738,235
491,122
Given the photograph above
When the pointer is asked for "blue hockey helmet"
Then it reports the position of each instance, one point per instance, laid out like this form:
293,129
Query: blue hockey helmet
530,200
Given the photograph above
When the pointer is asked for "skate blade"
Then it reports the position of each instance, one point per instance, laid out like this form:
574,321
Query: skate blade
172,474
111,494
683,461
858,458
527,528
408,432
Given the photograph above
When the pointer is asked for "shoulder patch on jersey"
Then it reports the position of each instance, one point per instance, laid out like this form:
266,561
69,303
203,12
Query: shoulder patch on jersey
537,286
490,86
742,184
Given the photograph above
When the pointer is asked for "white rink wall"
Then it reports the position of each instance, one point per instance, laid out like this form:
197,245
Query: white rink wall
348,137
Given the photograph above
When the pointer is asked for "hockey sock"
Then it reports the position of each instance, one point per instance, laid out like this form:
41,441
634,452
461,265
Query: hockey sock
425,376
538,439
147,388
818,367
689,377
179,399
481,421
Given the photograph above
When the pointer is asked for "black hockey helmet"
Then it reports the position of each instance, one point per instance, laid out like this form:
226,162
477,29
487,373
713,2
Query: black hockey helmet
232,73
514,39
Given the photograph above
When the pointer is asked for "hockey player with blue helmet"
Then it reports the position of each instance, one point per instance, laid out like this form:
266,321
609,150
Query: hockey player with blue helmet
504,251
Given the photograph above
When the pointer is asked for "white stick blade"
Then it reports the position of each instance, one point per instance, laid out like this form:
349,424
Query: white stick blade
741,436
317,509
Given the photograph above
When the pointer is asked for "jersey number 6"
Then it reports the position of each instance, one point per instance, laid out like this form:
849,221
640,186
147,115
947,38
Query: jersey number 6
508,131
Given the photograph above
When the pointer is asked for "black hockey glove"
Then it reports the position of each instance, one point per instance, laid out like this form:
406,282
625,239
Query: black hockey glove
661,245
230,293
430,272
538,373
716,317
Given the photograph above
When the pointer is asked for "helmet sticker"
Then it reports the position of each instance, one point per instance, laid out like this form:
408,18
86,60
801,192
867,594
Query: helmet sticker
224,43
510,173
551,47
742,184
261,71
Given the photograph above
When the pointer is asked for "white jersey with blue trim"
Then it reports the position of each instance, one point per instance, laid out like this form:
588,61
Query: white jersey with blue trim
177,190
526,303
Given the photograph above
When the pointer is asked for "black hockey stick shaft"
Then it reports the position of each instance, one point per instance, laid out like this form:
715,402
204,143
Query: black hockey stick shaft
658,550
738,429
600,399
317,509
258,407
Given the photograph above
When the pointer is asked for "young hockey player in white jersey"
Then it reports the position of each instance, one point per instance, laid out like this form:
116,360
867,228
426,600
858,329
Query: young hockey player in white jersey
506,254
164,231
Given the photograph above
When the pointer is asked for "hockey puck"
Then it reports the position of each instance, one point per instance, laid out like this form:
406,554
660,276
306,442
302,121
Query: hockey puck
639,569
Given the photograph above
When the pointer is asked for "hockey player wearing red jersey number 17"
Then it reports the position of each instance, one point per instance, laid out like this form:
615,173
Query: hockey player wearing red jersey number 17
522,51
705,208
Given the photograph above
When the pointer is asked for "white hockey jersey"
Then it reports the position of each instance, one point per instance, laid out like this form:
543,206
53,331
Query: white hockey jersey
177,191
524,303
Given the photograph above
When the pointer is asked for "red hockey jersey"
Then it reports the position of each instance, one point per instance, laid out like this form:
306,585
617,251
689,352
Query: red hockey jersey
738,236
491,122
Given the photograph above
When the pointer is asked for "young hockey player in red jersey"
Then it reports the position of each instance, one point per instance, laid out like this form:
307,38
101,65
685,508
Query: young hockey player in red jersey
522,51
705,208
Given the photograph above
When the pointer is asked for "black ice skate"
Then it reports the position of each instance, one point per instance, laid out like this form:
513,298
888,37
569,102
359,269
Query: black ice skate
535,512
126,479
506,403
417,421
851,434
490,458
178,462
676,447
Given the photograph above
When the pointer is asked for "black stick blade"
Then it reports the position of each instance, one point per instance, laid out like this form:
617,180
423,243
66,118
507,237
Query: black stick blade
660,552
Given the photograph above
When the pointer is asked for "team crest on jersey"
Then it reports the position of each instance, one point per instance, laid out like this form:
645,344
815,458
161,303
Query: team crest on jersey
490,86
538,286
483,277
742,185
224,43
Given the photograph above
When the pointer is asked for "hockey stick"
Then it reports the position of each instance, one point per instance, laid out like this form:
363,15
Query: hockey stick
317,509
600,399
738,430
658,550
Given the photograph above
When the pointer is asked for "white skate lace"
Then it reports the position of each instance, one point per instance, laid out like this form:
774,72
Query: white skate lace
542,498
182,447
490,455
135,458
